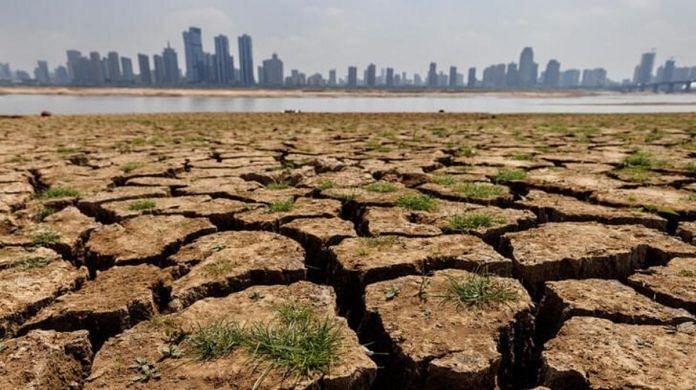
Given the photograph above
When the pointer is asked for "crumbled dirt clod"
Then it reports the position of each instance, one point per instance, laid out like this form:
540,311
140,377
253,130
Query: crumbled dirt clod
45,359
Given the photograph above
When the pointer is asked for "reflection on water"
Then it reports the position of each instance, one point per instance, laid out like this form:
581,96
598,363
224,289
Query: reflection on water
64,104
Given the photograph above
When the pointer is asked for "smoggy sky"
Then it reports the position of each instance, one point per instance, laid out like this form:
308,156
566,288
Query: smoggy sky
316,35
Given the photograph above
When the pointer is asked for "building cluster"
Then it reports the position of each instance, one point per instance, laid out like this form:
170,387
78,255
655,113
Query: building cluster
219,69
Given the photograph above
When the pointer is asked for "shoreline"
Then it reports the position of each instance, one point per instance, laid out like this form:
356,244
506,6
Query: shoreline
281,93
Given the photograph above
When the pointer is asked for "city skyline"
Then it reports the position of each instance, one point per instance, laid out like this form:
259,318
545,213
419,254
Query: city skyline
315,36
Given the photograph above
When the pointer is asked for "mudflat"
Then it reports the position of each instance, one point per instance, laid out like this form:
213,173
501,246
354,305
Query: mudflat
348,251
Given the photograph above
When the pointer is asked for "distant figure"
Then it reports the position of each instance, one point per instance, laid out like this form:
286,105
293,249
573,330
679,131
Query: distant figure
441,111
45,113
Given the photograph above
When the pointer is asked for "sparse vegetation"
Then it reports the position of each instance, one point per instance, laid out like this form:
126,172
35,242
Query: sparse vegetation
58,192
140,205
381,187
325,185
298,341
281,206
44,212
478,190
417,202
31,263
472,221
640,159
45,237
131,166
505,175
478,290
146,371
281,185
687,273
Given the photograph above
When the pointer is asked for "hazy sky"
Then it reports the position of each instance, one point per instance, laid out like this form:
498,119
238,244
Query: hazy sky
316,35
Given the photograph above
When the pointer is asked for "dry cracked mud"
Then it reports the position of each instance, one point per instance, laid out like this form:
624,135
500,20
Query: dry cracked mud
348,251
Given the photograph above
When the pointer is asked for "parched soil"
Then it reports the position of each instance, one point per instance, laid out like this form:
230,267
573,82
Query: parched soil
348,251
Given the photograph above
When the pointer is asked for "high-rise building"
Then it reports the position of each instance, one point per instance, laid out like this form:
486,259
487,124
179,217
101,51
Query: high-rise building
96,69
114,67
144,67
193,51
171,66
570,78
5,71
645,69
471,80
224,65
389,78
528,68
41,73
127,70
594,78
316,80
432,75
552,74
352,77
453,77
494,76
159,78
512,79
668,73
60,75
246,61
73,60
332,78
370,75
272,72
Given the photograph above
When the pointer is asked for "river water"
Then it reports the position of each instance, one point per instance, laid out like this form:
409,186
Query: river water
67,104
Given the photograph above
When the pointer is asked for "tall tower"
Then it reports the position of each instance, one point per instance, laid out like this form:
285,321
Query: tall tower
528,69
647,62
193,51
246,61
224,68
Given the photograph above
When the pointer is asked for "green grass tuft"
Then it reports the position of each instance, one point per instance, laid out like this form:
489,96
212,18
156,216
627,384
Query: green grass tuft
216,339
131,166
31,263
281,206
417,202
381,187
472,221
444,180
325,185
504,175
477,290
139,205
478,190
58,192
687,273
278,186
44,212
640,159
45,237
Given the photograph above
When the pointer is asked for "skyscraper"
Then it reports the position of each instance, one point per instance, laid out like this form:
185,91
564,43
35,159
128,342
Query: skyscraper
41,73
432,75
471,80
453,77
224,66
528,68
570,78
96,71
332,78
645,69
73,59
159,70
114,67
552,74
127,70
273,72
171,66
193,51
513,76
668,74
144,67
352,77
370,75
389,79
246,61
